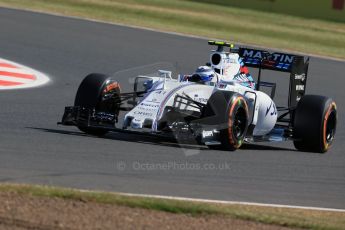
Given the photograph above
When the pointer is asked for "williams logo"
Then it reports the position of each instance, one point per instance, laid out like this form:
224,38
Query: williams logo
271,109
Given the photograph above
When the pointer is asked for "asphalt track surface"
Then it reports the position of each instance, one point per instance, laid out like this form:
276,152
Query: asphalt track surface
33,149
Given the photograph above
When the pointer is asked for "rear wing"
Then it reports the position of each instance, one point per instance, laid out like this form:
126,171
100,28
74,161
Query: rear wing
296,65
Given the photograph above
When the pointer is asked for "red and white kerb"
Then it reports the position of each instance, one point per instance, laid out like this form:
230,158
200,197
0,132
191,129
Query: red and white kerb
16,76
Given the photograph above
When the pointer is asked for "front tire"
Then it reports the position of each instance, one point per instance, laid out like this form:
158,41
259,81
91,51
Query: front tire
229,111
93,93
315,121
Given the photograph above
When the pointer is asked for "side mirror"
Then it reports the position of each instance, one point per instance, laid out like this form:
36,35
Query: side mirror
142,85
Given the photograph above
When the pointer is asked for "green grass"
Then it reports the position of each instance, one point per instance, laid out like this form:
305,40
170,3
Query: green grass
296,218
317,9
208,20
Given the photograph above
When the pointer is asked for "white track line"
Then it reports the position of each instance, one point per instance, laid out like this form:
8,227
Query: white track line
209,201
174,33
40,78
230,202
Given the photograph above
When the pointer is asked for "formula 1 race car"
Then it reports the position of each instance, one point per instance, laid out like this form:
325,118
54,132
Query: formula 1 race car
213,109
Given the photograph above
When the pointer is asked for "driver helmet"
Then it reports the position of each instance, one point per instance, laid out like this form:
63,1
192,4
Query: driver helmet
204,74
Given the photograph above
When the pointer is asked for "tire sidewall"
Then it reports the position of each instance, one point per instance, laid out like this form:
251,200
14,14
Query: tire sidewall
220,111
331,107
237,103
90,90
89,95
310,122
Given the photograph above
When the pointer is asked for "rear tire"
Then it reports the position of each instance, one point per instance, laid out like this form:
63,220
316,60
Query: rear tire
315,121
89,95
229,111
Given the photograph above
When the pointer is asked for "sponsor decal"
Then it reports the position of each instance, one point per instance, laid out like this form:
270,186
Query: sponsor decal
279,57
222,85
300,87
300,77
273,108
149,105
231,60
143,113
16,76
201,100
207,134
253,54
259,54
280,61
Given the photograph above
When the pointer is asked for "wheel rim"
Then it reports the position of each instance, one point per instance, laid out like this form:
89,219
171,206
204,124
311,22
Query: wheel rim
330,127
110,99
239,124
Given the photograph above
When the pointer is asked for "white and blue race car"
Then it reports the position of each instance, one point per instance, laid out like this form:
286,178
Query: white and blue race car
219,105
